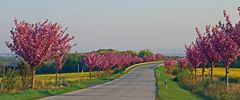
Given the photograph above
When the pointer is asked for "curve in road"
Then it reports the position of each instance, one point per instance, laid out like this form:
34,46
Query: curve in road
138,84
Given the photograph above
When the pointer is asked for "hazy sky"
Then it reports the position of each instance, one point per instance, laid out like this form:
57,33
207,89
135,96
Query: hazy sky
120,24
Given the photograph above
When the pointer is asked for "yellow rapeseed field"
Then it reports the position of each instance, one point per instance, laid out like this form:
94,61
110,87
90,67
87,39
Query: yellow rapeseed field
67,76
233,72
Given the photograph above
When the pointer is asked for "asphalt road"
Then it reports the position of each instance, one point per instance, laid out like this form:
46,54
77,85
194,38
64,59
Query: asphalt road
138,84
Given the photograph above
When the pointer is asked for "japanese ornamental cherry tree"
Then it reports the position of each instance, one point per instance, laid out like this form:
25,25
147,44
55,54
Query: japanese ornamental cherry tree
193,55
207,50
63,48
183,62
158,57
37,43
149,58
92,60
169,64
225,46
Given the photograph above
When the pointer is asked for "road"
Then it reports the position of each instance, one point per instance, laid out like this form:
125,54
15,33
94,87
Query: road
138,84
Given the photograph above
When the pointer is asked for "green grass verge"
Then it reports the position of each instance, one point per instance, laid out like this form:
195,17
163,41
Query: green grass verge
173,90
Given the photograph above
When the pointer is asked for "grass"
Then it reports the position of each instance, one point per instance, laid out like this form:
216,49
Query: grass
173,90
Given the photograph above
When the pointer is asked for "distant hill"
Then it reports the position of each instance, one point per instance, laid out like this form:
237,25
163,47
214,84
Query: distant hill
7,55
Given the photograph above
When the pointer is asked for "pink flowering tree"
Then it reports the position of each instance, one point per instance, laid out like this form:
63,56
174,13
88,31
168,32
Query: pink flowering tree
92,60
149,58
183,62
232,31
207,50
137,59
63,47
37,43
193,55
112,59
169,63
119,62
59,60
158,57
105,64
225,46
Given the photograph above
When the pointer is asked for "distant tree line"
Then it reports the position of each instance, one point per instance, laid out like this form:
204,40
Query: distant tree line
73,60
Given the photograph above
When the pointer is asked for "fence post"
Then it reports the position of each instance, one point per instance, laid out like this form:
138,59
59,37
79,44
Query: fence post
78,74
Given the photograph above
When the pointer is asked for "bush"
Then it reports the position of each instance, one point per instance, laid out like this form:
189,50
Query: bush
176,71
24,72
2,70
184,75
231,79
9,82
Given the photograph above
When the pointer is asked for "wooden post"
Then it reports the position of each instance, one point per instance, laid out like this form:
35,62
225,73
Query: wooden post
78,73
203,72
4,70
165,83
56,78
211,72
195,73
82,70
43,83
227,77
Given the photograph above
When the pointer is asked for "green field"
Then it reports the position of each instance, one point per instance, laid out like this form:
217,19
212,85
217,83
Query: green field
173,90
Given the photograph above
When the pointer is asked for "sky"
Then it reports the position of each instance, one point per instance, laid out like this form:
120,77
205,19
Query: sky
160,25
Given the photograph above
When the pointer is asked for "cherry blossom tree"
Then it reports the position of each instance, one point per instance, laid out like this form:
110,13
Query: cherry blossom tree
231,31
169,63
63,47
92,60
105,64
149,58
225,46
193,55
158,56
37,43
183,62
207,50
119,62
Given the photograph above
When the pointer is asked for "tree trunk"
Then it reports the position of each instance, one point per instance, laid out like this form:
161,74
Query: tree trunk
227,77
90,74
211,73
56,78
203,73
99,73
33,71
191,71
195,73
24,81
78,74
